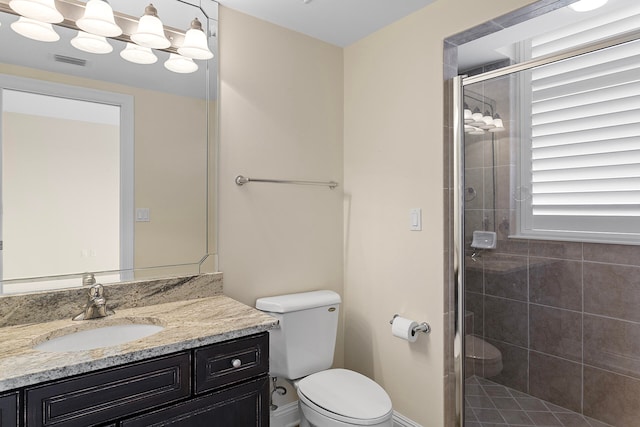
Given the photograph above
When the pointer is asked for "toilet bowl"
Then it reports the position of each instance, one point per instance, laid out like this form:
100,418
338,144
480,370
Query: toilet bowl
340,397
482,359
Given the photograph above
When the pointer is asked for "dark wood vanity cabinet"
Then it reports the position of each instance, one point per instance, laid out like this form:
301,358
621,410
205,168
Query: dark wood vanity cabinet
245,404
224,384
9,409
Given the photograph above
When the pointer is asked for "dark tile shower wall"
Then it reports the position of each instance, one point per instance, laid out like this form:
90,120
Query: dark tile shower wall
565,315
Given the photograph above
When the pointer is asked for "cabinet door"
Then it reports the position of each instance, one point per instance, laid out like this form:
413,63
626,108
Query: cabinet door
243,405
9,410
97,398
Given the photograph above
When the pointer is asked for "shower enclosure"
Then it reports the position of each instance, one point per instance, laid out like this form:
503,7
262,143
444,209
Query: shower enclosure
547,163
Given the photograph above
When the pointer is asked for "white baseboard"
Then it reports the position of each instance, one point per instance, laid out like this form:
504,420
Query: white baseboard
288,416
400,420
285,416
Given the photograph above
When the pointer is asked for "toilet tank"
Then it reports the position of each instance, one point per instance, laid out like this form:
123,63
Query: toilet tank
305,342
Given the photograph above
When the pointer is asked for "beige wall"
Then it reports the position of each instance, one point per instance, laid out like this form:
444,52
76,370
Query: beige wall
282,112
393,161
170,170
281,118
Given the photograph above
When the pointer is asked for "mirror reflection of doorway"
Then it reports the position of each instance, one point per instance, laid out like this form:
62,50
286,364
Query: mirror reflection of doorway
65,198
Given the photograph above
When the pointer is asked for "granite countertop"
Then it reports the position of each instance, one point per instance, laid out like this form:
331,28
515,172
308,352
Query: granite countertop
187,324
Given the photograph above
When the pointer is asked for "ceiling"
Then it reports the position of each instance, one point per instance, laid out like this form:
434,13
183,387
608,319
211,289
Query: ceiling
339,22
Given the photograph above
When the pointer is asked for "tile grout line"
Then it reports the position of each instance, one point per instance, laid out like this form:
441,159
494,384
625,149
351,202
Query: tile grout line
528,317
582,335
509,395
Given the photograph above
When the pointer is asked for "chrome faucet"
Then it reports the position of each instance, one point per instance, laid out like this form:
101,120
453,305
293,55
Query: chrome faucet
96,305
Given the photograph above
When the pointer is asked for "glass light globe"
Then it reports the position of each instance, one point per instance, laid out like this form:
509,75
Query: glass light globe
488,121
180,64
499,126
195,44
91,43
98,19
477,118
40,10
138,54
150,31
35,30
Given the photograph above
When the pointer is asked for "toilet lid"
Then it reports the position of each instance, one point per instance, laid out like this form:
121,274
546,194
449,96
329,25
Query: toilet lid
346,393
477,348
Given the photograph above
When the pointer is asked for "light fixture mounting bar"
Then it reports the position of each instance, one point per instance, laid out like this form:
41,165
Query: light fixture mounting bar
72,10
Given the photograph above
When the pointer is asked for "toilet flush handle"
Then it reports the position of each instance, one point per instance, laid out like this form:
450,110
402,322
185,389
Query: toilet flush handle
236,363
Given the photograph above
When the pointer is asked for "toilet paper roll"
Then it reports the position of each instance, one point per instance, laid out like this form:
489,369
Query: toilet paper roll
403,328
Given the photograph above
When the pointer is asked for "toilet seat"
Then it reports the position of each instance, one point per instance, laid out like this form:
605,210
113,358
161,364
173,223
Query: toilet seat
345,396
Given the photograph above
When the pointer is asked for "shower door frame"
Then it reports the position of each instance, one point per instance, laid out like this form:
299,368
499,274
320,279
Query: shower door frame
457,94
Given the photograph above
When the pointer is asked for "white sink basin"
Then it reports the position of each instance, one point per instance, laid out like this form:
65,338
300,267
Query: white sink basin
106,336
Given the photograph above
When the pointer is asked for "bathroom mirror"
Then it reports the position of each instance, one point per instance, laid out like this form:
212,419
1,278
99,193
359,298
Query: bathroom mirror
122,192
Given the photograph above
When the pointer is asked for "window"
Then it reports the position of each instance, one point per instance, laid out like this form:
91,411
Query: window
581,170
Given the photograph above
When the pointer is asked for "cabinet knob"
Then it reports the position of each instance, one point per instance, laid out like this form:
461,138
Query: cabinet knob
236,363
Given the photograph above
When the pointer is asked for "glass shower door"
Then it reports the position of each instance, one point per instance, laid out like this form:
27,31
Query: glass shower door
551,206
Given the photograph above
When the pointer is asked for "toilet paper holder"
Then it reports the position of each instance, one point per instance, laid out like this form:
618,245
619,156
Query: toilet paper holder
422,327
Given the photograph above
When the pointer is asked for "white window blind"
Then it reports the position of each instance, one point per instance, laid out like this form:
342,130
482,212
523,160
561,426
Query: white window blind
584,159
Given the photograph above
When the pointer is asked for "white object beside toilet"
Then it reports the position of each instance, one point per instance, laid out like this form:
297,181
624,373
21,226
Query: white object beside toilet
301,351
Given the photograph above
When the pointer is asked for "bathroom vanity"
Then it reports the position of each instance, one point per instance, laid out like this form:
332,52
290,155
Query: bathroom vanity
207,367
222,384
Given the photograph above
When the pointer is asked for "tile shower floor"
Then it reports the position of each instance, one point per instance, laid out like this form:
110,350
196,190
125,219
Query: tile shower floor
488,404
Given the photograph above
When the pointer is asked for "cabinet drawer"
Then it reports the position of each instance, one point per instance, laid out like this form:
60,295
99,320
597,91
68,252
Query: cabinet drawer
103,396
9,410
231,361
243,405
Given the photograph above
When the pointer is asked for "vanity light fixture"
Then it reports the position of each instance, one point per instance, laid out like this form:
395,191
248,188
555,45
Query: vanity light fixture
180,64
150,32
35,30
41,10
98,19
91,43
477,123
138,54
195,44
587,5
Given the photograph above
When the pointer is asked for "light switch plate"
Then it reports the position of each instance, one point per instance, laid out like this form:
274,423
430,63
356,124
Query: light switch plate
415,219
142,215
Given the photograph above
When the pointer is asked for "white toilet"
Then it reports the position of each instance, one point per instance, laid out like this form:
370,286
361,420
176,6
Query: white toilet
483,359
301,351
